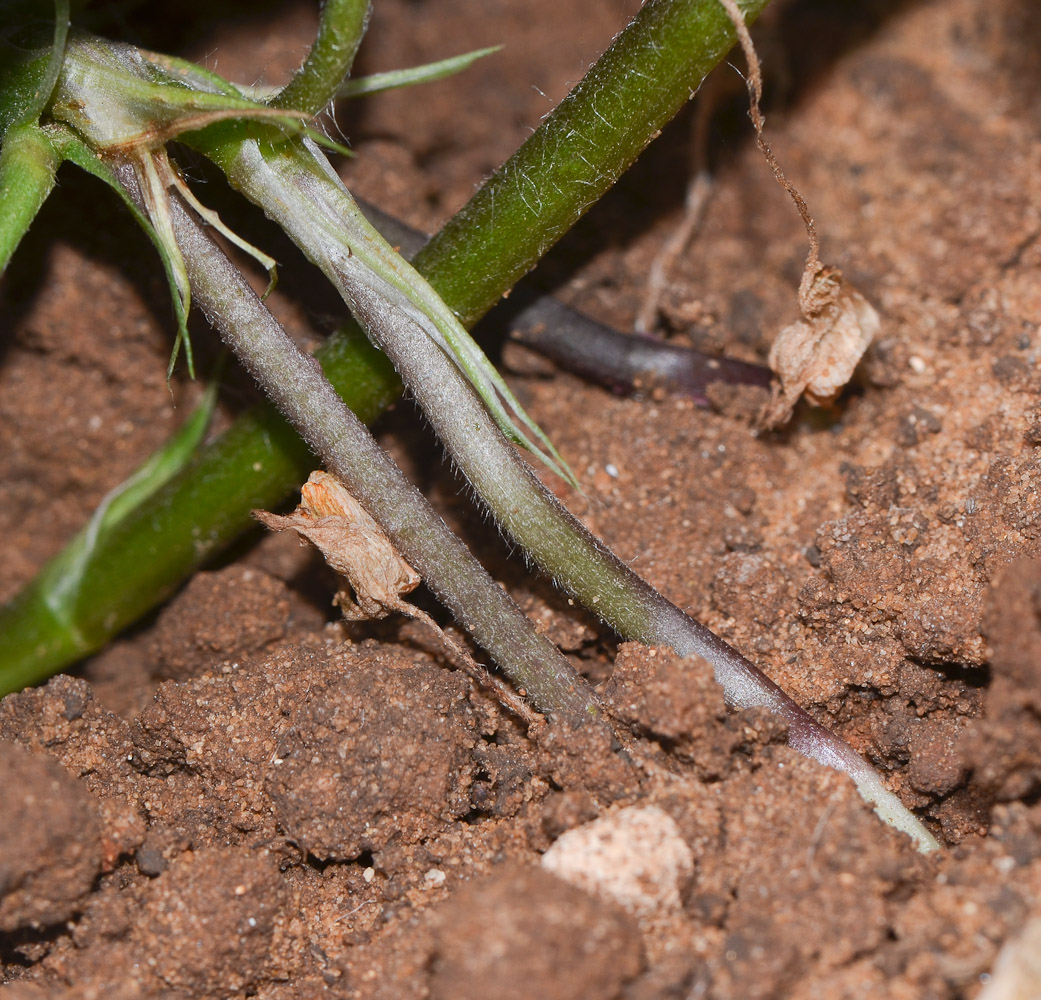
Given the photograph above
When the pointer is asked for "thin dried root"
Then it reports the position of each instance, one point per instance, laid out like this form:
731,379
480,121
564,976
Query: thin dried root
699,190
815,356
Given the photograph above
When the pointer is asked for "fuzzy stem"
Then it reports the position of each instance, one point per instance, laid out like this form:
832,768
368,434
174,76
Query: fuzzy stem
578,561
340,32
635,88
295,192
295,383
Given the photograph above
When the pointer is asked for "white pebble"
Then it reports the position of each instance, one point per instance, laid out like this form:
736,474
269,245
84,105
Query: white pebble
635,856
434,877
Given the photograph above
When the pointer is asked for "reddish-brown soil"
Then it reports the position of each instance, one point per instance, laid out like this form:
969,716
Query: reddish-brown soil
246,797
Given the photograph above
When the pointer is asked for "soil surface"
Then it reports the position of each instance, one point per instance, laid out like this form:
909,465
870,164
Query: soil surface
246,796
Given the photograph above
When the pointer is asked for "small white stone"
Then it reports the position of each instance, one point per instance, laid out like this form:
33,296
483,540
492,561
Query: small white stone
434,877
635,856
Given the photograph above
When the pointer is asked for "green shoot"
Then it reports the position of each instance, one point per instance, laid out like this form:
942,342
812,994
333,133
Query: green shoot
28,164
340,32
376,83
61,579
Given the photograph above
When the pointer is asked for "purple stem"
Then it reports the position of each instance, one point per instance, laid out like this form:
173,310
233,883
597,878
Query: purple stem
623,362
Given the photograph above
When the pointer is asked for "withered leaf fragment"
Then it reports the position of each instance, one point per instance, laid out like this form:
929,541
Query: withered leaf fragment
353,545
816,356
358,549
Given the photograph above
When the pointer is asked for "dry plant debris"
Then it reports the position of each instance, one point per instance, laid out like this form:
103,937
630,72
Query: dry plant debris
816,355
353,545
375,573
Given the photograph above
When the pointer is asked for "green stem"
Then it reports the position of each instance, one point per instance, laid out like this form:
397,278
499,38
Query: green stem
255,463
340,32
579,151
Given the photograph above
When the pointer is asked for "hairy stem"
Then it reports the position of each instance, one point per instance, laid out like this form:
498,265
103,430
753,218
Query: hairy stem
295,192
340,32
295,383
635,88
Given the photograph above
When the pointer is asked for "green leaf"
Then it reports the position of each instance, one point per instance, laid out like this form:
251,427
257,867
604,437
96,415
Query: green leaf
59,582
28,69
427,73
76,151
28,163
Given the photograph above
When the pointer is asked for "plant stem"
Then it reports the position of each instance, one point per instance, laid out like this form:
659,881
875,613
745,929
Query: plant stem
629,362
635,88
340,32
295,383
253,464
259,460
559,542
623,362
291,191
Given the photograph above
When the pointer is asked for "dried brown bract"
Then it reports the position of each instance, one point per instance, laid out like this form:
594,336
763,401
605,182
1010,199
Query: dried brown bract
354,545
377,575
816,355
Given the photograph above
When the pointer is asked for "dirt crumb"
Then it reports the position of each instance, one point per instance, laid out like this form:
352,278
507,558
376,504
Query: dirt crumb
395,748
205,928
886,566
63,720
523,932
678,702
338,754
210,927
824,843
50,842
585,759
936,767
222,616
1003,748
